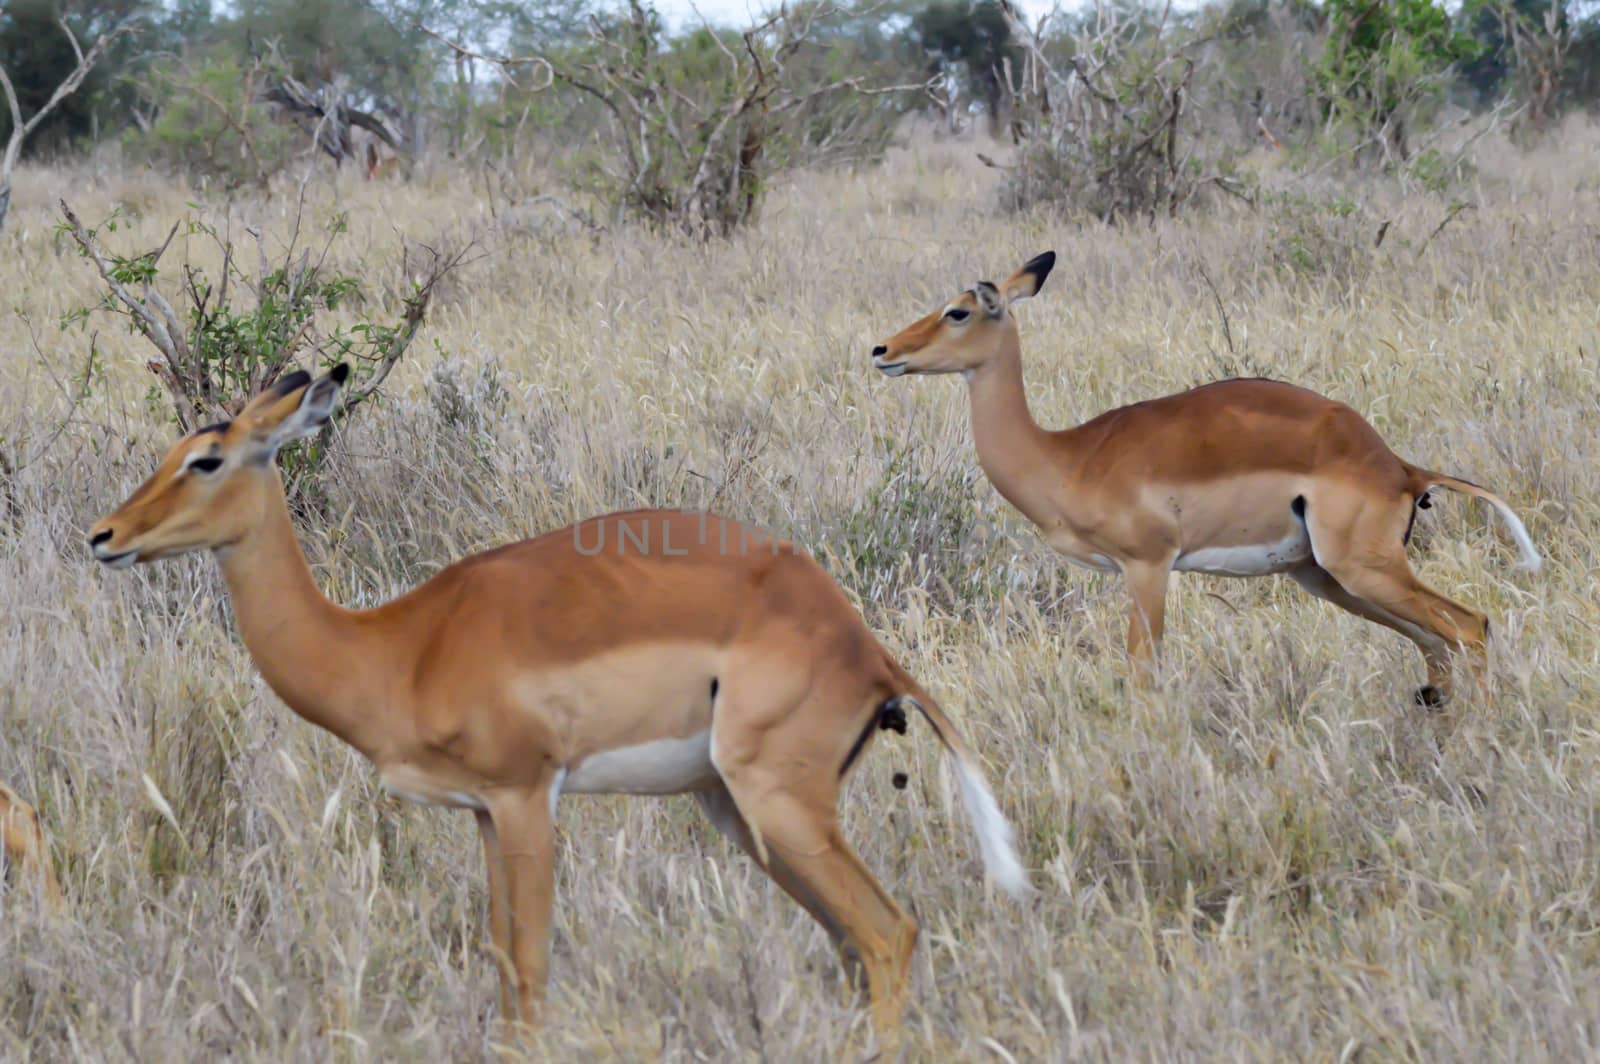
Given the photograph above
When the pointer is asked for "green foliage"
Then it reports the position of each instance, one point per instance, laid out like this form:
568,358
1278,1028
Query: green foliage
237,330
1384,65
1324,242
1486,71
208,124
913,528
371,44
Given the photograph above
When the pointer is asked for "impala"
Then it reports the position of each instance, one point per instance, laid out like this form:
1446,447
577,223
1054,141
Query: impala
1236,478
23,842
380,165
641,653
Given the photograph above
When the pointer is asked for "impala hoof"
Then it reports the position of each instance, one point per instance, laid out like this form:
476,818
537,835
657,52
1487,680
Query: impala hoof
900,779
1430,697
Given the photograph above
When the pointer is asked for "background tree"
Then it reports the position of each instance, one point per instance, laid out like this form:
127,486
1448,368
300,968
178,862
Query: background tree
1385,63
23,120
38,56
1539,44
975,37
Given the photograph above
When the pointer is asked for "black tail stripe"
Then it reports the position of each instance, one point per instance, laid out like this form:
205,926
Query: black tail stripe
925,716
861,741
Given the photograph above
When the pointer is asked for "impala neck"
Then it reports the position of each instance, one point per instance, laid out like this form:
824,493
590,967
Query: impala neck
1015,453
311,652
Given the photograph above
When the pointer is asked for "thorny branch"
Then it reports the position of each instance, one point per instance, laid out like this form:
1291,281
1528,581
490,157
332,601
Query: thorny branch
416,312
151,315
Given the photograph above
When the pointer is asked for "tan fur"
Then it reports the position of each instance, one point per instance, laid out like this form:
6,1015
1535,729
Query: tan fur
1209,478
486,686
380,164
23,841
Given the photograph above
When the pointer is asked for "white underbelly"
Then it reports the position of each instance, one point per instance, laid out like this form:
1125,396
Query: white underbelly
661,766
1100,563
413,786
1253,559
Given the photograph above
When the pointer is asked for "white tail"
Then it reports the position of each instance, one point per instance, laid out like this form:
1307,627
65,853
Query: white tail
995,840
1530,559
1529,554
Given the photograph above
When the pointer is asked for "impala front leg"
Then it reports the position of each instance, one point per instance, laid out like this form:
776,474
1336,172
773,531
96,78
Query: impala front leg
499,913
1147,611
526,832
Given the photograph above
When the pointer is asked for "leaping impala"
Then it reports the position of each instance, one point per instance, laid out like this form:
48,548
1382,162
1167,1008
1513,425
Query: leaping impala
640,653
22,839
1237,478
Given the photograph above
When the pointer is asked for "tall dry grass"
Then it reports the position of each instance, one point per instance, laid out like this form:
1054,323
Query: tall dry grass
1277,857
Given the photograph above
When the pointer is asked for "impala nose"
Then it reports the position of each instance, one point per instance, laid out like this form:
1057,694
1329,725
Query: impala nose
879,351
99,537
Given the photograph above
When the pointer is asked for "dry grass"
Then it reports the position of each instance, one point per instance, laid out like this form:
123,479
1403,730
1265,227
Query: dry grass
1276,858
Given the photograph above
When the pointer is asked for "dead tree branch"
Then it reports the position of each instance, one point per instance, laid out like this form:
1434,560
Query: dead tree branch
20,130
329,117
151,315
505,62
416,312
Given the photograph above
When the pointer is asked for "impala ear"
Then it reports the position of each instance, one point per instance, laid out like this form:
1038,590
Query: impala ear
989,301
295,407
1026,282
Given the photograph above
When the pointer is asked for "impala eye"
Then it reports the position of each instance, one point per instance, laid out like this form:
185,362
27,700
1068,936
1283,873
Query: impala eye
205,465
957,314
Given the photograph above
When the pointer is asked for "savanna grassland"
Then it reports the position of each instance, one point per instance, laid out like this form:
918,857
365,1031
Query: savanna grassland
1273,857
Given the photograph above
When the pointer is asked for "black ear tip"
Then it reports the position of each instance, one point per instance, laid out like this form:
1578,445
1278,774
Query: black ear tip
1043,263
340,373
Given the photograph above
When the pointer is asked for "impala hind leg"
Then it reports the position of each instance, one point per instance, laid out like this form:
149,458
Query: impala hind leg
526,834
723,813
23,842
876,936
1435,651
781,768
1365,555
499,913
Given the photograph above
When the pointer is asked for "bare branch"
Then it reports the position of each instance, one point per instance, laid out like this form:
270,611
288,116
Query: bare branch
74,400
504,62
416,313
238,127
20,130
151,323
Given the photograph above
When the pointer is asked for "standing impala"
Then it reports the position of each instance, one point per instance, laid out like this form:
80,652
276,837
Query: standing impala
641,653
1236,478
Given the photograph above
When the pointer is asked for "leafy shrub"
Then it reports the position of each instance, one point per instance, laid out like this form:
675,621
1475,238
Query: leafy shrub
699,125
1383,67
207,123
239,331
1114,133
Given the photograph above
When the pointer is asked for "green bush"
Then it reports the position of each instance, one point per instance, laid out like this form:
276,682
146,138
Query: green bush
208,123
1383,68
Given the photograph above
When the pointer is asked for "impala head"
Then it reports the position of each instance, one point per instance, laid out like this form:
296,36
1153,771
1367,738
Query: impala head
961,335
214,484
